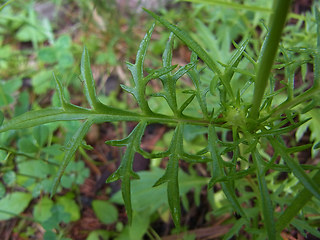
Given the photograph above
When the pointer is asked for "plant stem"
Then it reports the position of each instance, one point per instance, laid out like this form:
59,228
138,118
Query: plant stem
5,4
268,53
307,95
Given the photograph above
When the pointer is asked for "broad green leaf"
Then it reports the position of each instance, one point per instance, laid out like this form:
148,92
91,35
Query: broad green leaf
65,59
41,134
13,204
22,105
42,82
57,216
67,180
42,210
5,98
27,145
106,212
12,85
70,206
63,42
140,225
9,178
48,55
49,235
31,168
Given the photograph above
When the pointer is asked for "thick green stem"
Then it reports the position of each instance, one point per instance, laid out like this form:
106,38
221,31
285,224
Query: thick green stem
268,53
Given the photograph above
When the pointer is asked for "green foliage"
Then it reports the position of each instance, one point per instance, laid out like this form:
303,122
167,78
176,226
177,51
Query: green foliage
98,235
7,89
13,204
219,102
105,211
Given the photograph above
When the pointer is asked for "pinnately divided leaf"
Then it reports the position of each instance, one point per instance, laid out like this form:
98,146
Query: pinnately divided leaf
194,46
234,116
125,172
137,73
171,174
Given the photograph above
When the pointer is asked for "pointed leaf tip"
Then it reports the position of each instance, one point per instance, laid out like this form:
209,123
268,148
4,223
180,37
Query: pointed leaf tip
113,177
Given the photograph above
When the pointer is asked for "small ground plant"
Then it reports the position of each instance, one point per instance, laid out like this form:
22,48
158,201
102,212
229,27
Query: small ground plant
241,98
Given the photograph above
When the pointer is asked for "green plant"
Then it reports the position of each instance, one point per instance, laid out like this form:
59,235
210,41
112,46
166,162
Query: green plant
253,120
